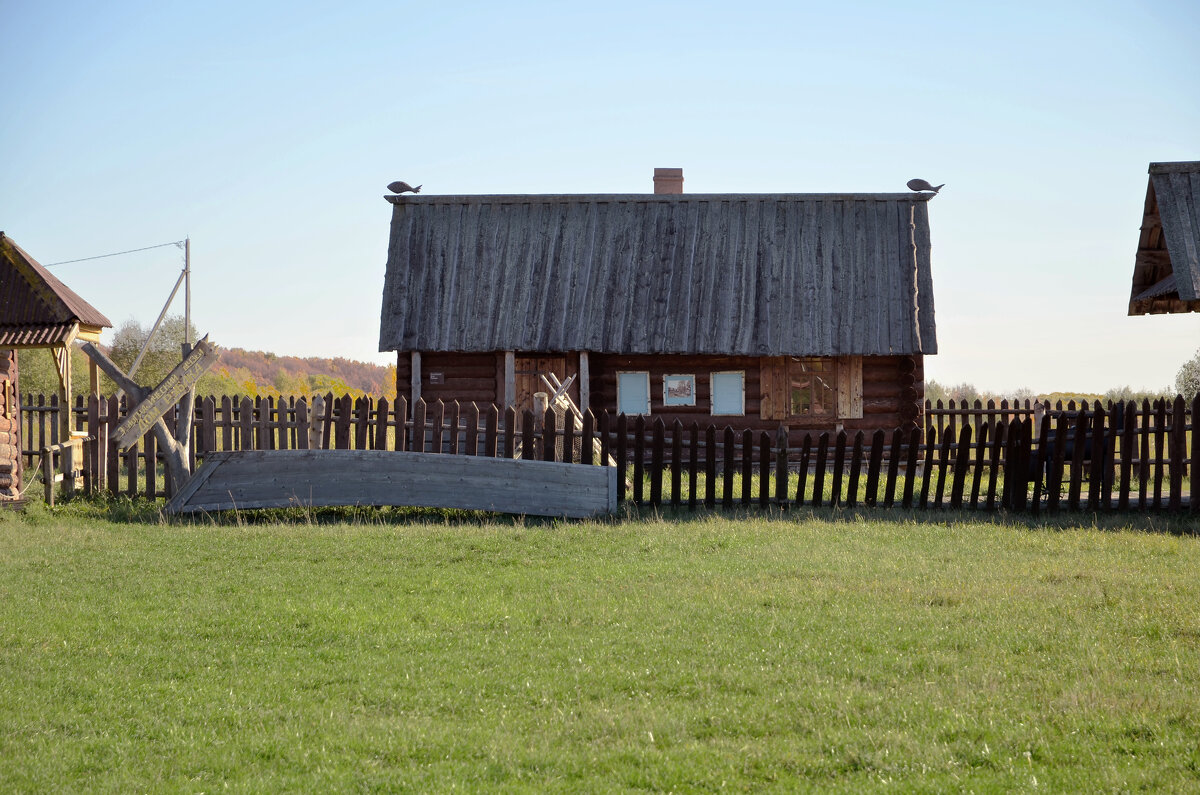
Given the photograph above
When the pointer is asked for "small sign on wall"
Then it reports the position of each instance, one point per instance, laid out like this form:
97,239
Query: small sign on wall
437,378
679,390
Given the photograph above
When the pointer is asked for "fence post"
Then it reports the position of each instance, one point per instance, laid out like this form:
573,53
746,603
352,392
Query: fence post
819,475
549,434
676,463
656,463
802,471
639,459
962,463
893,470
727,471
747,464
855,470
1178,452
781,466
1194,488
710,467
622,447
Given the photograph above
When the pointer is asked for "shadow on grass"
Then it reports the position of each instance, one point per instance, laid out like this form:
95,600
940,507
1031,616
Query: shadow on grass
122,509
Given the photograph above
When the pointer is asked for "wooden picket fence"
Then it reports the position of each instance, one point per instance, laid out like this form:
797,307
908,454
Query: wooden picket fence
1119,457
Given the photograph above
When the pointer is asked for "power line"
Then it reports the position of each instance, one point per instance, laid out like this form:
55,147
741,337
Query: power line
177,243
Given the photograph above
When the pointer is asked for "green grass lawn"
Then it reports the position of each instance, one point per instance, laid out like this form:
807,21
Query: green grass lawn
390,651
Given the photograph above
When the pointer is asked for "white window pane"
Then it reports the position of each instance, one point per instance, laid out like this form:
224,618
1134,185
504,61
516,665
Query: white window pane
633,393
728,393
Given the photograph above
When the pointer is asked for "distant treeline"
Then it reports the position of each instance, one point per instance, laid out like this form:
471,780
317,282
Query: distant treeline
238,372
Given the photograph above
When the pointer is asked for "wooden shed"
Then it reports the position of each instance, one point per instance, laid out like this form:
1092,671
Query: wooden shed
1166,271
36,311
750,310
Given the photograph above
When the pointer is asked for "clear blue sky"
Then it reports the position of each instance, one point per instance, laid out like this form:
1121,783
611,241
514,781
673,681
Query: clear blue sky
267,132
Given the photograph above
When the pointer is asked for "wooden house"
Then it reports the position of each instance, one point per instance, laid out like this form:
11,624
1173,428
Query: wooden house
752,310
1166,270
36,311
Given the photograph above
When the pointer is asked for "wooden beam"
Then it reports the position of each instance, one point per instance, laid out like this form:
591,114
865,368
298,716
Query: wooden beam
415,375
585,382
510,379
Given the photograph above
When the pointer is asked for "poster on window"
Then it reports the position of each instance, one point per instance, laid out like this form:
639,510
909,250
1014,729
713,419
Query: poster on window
679,390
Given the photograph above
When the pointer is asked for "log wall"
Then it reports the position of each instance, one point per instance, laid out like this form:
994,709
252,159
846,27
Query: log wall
893,387
10,428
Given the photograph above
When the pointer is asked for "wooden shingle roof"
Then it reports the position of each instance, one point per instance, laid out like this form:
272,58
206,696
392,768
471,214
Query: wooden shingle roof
1166,271
743,274
36,309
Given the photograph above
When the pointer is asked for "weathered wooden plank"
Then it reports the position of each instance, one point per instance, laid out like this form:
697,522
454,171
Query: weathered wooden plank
962,465
943,462
1096,473
764,469
727,473
656,462
1160,451
819,475
1194,485
875,460
747,465
676,463
1128,446
893,470
491,431
693,464
781,466
1178,447
928,466
1037,465
417,441
855,471
639,459
839,467
182,378
910,471
998,440
980,451
622,454
257,479
710,467
246,423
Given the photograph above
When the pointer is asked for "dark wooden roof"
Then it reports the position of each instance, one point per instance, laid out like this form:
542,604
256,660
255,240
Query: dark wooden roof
1166,271
36,309
746,274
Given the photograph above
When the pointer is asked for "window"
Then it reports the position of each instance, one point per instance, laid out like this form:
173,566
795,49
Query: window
812,387
729,392
679,390
633,393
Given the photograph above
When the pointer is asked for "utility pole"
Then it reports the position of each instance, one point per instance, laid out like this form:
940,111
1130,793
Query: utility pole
187,293
187,405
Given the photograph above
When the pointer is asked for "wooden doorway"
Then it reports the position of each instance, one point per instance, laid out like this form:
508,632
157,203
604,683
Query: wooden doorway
529,371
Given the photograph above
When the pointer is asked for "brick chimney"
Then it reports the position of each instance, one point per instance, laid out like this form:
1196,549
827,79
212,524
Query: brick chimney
668,180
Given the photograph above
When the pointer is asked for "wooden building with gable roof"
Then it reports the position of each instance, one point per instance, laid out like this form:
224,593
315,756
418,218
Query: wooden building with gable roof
1166,270
752,310
36,311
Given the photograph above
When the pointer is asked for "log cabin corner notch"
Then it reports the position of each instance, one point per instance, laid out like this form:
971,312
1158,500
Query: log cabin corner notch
809,310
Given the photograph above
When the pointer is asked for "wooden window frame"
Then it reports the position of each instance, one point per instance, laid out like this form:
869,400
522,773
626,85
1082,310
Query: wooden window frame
832,380
775,385
646,375
667,400
712,391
